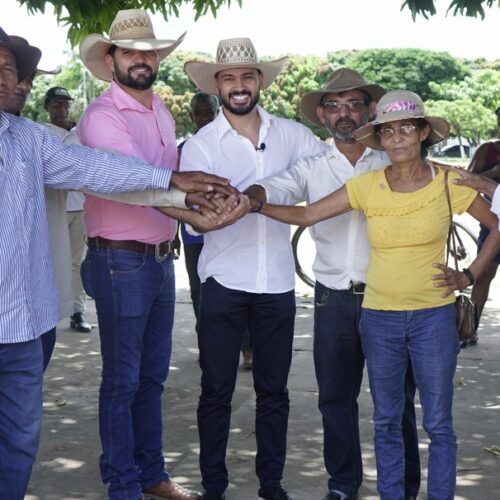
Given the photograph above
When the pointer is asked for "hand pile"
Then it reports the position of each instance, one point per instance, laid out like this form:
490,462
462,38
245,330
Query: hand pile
213,202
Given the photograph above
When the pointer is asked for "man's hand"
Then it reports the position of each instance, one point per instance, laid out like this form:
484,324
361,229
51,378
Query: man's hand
475,181
212,201
196,182
230,210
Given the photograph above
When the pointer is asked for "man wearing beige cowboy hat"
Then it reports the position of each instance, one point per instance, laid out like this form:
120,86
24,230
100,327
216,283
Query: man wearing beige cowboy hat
31,157
246,269
129,269
345,103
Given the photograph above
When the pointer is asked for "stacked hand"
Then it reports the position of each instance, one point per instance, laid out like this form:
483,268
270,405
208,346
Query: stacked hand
214,202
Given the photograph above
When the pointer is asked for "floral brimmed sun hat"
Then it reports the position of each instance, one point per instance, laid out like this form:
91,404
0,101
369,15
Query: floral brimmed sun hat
401,105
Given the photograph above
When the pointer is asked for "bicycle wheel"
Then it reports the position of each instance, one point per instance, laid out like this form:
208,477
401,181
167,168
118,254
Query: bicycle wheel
303,255
466,246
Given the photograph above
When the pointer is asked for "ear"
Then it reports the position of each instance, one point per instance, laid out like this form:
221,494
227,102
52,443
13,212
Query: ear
261,80
424,132
110,62
320,113
372,107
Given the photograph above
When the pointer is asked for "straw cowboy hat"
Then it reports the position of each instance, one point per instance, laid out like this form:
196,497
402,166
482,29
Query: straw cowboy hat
401,105
341,80
232,53
26,55
38,71
130,29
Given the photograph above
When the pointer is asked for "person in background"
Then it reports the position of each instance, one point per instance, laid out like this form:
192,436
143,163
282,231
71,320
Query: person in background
57,103
486,161
342,251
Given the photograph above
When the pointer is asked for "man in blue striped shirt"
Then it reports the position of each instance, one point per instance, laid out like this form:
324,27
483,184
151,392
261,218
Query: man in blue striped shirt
31,157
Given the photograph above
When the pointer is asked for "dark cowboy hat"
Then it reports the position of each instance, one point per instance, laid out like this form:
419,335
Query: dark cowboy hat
27,56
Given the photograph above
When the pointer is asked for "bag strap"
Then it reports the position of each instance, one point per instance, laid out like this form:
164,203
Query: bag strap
451,244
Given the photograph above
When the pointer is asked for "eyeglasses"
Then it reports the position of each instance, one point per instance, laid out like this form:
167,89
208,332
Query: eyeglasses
334,107
404,130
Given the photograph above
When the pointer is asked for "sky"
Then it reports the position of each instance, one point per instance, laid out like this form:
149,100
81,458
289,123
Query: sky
279,27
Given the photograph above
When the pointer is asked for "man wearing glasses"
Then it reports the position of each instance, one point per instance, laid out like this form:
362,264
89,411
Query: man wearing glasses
344,104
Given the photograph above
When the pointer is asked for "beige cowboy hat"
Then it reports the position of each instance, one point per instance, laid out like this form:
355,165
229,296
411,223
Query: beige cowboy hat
130,29
26,55
232,53
401,105
341,80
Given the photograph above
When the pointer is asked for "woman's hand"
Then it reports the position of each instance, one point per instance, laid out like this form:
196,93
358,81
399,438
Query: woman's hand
449,278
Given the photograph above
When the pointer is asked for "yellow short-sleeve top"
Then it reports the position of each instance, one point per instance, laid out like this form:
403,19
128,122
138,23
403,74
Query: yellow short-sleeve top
407,234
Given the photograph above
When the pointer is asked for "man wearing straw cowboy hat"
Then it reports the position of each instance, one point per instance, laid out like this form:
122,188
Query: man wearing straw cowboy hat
345,103
129,265
246,269
29,158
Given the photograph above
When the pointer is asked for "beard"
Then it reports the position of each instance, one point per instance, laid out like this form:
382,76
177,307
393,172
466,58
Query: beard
344,128
240,110
141,82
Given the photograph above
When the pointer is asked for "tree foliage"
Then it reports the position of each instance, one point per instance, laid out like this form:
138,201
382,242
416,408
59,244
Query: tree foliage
469,119
95,16
411,69
472,8
465,94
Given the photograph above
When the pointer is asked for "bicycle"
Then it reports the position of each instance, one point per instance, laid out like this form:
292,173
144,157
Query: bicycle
304,251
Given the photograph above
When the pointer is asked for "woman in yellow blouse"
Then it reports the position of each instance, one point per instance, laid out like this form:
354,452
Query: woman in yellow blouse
408,308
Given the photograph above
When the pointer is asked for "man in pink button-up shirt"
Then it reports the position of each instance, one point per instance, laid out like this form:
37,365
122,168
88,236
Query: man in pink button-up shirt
129,269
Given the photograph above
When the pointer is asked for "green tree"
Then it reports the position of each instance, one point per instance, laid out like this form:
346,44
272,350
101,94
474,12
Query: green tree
172,70
95,16
410,69
467,118
482,86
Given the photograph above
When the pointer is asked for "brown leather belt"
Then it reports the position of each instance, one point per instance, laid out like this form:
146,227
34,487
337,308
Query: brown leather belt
160,251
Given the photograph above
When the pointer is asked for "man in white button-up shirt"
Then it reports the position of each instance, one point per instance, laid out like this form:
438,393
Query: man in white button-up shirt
246,269
342,250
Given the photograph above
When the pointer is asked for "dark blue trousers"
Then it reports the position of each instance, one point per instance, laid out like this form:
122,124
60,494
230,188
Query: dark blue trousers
339,363
224,316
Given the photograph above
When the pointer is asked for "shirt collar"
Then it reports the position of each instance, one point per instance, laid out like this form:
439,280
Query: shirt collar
122,100
335,152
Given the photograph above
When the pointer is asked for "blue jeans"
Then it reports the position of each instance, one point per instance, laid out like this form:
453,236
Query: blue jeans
225,314
48,344
339,363
429,338
135,299
21,379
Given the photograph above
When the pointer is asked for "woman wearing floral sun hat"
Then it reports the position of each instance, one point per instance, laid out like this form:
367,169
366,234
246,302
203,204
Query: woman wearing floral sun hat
406,314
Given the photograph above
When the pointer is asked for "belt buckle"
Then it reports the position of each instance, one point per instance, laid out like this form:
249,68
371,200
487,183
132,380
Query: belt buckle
161,257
